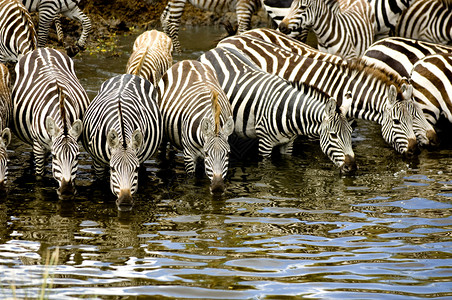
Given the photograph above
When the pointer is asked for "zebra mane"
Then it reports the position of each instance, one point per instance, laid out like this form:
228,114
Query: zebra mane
62,110
216,109
121,123
389,78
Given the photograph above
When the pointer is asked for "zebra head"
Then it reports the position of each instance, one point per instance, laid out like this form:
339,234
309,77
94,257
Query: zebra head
424,131
216,151
397,124
5,139
124,165
64,149
336,135
300,15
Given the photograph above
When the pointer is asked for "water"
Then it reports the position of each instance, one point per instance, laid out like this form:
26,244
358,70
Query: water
286,228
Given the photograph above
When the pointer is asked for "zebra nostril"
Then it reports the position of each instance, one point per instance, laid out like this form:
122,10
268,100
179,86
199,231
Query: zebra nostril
283,27
432,138
124,201
349,165
217,185
66,188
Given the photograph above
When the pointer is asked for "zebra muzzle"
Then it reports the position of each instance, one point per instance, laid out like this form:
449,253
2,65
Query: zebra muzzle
412,148
284,27
349,164
217,185
66,187
125,200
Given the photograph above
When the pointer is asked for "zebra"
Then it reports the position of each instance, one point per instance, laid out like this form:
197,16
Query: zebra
17,32
387,14
172,13
432,86
398,55
346,31
48,104
122,128
151,56
5,112
336,77
197,118
427,20
49,11
268,108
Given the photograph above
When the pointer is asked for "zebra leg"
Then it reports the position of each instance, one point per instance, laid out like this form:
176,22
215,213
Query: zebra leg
77,14
170,20
39,154
46,16
265,147
99,169
190,163
59,30
244,10
286,149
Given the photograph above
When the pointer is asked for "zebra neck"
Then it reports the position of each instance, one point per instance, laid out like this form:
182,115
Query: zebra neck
369,100
325,22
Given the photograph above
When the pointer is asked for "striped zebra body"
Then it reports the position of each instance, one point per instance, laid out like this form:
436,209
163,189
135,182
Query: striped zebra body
122,128
5,112
48,104
151,56
266,107
427,20
398,55
172,14
346,31
276,54
49,10
387,14
17,32
431,78
197,118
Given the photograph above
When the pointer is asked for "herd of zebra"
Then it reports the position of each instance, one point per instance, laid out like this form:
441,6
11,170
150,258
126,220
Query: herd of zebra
261,84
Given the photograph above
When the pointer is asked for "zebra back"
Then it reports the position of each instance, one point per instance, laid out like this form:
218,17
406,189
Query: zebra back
5,112
431,80
122,128
346,30
17,32
48,105
427,20
268,108
197,118
151,56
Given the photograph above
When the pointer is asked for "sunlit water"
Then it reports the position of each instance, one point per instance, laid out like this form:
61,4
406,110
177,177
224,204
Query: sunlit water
285,228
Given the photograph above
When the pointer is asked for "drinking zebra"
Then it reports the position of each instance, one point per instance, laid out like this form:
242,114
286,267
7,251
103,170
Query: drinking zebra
346,31
432,86
398,55
17,32
122,128
335,76
5,112
49,10
387,14
151,56
266,107
197,118
172,13
48,104
427,20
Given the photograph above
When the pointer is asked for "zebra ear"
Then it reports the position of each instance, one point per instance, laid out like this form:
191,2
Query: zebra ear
346,103
51,126
207,127
228,127
137,139
392,95
330,107
6,136
76,128
407,91
112,139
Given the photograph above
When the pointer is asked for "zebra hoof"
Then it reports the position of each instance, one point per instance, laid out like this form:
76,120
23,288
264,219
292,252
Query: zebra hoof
72,50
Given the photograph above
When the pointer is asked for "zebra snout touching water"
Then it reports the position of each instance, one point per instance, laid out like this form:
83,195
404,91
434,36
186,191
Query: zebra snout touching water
268,108
48,105
18,35
122,128
5,112
197,118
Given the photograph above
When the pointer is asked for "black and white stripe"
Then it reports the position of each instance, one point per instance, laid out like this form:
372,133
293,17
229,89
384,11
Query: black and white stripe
427,20
48,105
151,56
122,128
5,112
266,107
346,30
18,35
387,14
370,87
49,10
197,118
171,16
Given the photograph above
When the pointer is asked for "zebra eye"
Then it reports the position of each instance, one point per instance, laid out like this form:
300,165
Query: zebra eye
396,121
112,169
333,135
